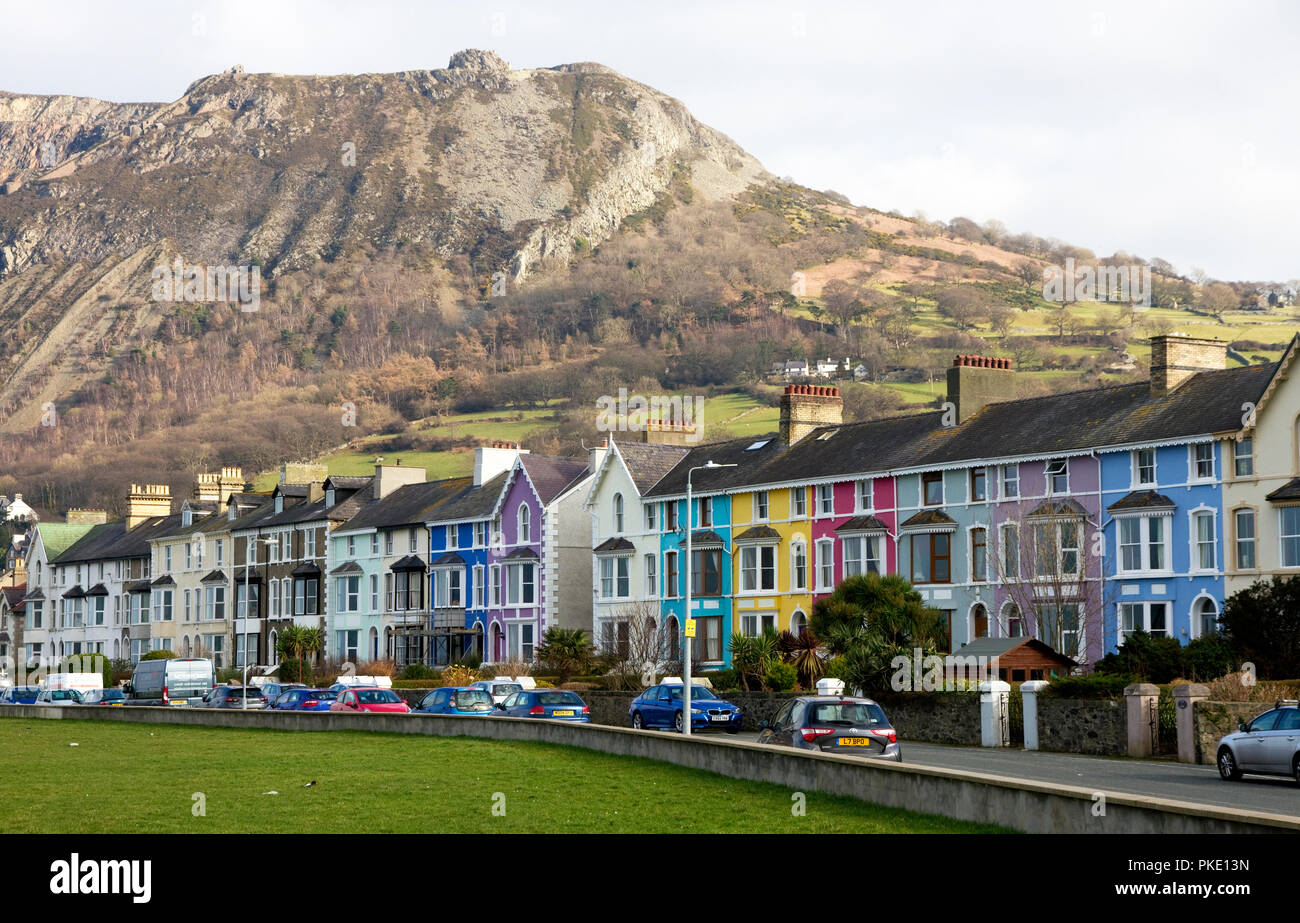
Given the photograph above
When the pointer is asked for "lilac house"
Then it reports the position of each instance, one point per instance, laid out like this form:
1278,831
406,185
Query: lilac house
539,561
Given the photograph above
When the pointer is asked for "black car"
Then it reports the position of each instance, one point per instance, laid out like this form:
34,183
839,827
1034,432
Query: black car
833,724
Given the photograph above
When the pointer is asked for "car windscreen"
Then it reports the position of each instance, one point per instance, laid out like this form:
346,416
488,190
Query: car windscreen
60,695
28,692
847,714
248,692
558,698
697,693
473,700
506,688
377,696
321,695
113,695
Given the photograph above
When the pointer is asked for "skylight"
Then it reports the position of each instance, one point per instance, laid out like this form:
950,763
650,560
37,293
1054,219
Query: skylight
826,435
758,445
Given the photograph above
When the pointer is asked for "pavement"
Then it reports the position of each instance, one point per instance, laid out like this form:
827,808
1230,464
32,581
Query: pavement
1159,778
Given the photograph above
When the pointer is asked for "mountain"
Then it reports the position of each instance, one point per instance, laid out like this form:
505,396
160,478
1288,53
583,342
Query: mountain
511,168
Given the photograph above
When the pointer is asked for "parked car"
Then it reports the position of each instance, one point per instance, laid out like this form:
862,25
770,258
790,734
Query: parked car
305,699
1269,745
19,695
558,704
369,699
456,700
58,697
177,681
273,691
661,707
104,697
499,689
235,697
833,724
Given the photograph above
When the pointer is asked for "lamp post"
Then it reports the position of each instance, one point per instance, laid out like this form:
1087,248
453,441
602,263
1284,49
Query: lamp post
243,647
686,689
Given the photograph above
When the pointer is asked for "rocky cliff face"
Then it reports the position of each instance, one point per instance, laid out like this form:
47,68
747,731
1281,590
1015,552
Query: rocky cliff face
509,169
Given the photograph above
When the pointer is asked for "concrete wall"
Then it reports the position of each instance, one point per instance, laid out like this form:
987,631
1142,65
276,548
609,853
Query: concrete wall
1098,727
1029,806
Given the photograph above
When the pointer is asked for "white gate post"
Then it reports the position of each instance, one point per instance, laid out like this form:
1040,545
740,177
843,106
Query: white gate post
1030,692
993,713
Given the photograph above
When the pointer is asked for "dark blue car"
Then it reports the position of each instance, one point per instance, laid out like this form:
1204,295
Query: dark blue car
558,704
19,695
305,700
661,707
456,700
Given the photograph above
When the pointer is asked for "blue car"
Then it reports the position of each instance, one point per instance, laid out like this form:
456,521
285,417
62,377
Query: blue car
456,700
19,695
304,699
273,691
661,707
545,703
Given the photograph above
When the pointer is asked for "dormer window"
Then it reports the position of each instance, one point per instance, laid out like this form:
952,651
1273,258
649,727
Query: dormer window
329,497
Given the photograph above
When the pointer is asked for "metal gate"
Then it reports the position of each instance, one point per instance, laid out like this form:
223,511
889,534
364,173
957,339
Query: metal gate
1015,734
1164,725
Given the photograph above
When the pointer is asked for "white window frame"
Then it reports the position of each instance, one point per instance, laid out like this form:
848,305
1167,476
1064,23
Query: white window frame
825,500
1136,466
1048,475
825,564
863,495
762,507
1194,475
798,553
1237,540
1194,541
1283,536
1144,608
1144,544
523,524
1248,457
753,571
799,502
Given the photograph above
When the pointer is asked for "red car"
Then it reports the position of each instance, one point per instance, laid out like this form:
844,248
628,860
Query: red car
365,699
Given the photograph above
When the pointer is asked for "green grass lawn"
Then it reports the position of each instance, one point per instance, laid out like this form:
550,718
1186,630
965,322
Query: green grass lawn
139,778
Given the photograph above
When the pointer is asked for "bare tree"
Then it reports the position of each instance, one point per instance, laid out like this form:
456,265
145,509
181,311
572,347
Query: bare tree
1046,555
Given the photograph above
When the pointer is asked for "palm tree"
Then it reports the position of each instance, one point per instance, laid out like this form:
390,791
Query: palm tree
803,652
565,650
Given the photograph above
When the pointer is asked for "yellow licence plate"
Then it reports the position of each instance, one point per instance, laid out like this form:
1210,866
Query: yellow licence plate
855,741
562,714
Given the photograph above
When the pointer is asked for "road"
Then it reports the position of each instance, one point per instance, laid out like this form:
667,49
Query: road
1158,778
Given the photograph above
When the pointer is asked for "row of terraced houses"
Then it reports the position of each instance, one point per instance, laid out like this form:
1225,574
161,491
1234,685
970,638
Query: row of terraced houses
1077,518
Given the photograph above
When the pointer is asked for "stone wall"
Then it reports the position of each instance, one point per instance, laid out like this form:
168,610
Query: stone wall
1212,720
1094,726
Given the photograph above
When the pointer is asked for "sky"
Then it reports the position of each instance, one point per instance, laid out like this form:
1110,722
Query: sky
1162,128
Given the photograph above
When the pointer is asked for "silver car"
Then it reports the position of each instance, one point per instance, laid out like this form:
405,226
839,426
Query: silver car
1269,745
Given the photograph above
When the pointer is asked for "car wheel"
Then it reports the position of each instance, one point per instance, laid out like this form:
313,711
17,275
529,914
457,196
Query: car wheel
677,722
637,724
1228,770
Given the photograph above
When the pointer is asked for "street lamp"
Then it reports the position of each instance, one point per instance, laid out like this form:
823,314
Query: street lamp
243,646
686,690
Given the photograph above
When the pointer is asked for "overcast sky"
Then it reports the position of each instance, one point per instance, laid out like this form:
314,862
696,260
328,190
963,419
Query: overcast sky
1161,128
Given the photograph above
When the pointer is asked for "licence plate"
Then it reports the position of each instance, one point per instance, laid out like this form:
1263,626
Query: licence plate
562,714
722,717
855,741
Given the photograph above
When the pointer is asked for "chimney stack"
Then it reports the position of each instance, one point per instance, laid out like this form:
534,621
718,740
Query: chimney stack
806,407
146,501
493,459
596,455
82,517
974,382
1176,357
390,477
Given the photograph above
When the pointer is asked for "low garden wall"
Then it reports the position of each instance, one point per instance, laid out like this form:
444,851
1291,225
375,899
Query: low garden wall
1098,727
1212,720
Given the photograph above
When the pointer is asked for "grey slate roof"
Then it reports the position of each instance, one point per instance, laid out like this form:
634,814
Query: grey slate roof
551,474
408,505
1288,491
863,524
1064,507
996,647
472,503
613,545
648,462
1205,404
1141,500
927,518
756,534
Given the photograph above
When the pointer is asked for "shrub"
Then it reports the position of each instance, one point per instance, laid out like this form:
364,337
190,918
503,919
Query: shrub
1150,659
295,671
780,677
420,671
382,667
1096,686
458,675
1262,623
723,679
1208,658
159,655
